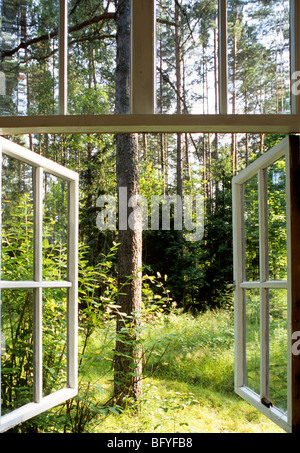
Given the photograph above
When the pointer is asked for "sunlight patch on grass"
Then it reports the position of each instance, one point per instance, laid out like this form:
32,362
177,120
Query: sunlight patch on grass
163,410
192,389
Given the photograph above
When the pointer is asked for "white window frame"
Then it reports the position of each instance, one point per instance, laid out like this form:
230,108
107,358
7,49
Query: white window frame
258,168
40,403
143,93
143,118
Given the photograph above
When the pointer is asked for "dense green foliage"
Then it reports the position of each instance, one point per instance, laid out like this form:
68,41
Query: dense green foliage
189,392
198,273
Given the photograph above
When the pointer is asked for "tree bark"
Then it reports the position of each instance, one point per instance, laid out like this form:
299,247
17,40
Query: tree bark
127,361
179,96
234,74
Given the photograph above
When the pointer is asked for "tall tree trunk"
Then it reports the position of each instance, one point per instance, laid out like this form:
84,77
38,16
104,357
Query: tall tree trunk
187,170
24,39
216,141
166,163
145,148
162,155
234,73
127,361
205,188
262,143
179,96
209,152
246,150
162,135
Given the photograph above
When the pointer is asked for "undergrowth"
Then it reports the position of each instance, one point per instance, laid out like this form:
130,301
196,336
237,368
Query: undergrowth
191,391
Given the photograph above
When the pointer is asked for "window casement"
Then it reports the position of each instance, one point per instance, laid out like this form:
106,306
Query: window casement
144,116
39,254
266,256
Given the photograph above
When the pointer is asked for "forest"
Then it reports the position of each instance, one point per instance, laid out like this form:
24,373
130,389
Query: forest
164,362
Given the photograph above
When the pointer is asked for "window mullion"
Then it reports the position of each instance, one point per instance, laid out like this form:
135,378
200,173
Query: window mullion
73,278
1,338
239,310
223,58
264,275
143,56
63,56
295,51
37,292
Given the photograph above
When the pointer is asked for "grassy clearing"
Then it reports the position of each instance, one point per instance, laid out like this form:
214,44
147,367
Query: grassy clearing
191,390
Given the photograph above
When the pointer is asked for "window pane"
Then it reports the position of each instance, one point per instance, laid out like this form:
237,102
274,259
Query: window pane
29,71
187,60
16,349
54,339
278,348
17,220
91,58
55,228
253,339
251,230
277,221
258,56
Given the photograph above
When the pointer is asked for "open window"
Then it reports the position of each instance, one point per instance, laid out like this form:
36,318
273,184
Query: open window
38,322
266,259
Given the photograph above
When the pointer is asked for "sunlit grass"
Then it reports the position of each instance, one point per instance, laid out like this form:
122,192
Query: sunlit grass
191,391
214,413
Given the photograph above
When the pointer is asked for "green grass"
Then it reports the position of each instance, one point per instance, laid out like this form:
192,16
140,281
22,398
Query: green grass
191,390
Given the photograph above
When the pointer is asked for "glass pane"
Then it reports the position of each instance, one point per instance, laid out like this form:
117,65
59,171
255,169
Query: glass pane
278,348
55,228
54,339
91,58
258,56
17,220
16,349
29,72
253,339
187,60
277,221
251,230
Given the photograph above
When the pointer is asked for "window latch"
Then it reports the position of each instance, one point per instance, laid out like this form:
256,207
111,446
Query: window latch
266,402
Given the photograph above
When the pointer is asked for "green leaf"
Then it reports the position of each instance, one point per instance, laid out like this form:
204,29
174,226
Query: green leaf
114,410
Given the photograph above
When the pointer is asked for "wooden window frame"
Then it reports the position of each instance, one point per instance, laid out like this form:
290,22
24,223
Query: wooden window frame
143,118
40,403
290,149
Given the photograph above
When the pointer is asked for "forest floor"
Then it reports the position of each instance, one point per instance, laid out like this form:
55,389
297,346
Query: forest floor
191,390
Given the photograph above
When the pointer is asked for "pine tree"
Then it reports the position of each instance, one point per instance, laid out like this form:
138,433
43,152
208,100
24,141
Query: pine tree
128,354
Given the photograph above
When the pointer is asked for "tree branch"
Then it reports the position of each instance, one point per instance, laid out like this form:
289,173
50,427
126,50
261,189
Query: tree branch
46,36
77,27
172,85
165,22
167,80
